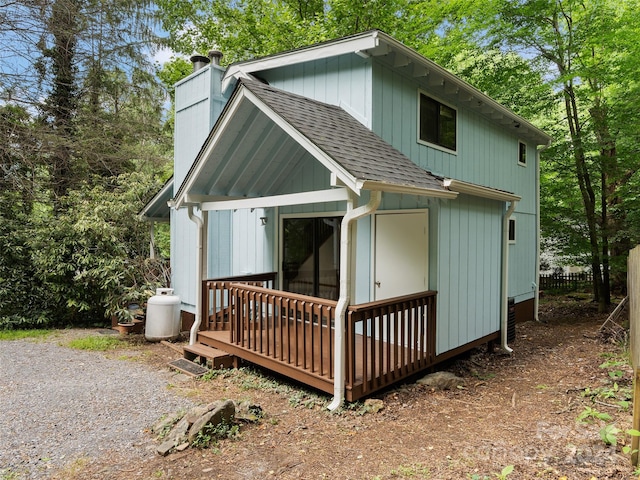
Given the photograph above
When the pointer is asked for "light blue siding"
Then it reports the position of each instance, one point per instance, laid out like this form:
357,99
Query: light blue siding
343,81
198,104
486,155
252,248
466,253
219,246
183,258
522,265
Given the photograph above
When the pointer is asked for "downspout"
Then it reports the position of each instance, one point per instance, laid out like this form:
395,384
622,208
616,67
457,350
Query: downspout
536,283
199,256
345,290
505,277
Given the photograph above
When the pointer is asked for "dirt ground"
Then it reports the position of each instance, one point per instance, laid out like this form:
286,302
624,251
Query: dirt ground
517,410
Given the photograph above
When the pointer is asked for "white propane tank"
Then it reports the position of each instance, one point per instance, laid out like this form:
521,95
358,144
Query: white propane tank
163,316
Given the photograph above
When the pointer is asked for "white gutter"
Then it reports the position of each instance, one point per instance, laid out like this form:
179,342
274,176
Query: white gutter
480,191
193,334
505,277
345,291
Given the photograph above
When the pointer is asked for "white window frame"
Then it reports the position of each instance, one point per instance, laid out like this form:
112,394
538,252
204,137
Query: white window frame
435,145
520,162
515,230
302,215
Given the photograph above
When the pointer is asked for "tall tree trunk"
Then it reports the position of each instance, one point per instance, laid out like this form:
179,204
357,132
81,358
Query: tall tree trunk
62,102
587,192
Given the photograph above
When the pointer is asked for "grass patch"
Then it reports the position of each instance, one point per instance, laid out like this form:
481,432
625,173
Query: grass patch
98,343
22,334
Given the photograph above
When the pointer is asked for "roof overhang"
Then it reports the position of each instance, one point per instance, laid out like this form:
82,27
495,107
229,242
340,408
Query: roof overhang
243,98
352,44
480,191
378,44
264,135
157,209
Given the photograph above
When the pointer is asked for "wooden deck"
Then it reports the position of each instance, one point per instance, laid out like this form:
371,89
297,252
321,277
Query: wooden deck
293,335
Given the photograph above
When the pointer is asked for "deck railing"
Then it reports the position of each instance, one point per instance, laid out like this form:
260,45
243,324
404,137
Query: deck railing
386,341
293,329
390,340
215,295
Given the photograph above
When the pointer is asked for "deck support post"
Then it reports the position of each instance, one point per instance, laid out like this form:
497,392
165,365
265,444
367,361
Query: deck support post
345,289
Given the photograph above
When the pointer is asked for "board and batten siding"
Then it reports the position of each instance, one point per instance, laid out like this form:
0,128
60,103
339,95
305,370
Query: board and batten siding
486,155
344,81
197,106
522,259
465,247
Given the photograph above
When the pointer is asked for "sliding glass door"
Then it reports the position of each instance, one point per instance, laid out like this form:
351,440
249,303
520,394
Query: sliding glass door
311,256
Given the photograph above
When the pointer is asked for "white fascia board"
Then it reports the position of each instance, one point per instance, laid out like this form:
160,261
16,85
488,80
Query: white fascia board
480,191
156,198
343,46
181,197
304,198
303,141
405,189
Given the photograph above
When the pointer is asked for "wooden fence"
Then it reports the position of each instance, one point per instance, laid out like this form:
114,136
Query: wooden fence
566,282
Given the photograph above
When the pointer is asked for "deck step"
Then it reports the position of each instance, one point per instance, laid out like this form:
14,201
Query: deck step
218,358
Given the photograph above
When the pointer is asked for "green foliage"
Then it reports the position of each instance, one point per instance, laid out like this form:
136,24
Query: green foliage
254,28
98,343
9,335
504,473
412,471
610,434
92,258
210,434
589,414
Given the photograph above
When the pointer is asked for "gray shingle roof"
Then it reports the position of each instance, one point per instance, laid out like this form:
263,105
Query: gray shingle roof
349,143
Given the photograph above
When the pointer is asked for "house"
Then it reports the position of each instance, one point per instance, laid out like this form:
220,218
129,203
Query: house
350,213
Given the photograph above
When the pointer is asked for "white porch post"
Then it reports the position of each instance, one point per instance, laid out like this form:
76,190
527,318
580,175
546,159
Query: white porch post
344,299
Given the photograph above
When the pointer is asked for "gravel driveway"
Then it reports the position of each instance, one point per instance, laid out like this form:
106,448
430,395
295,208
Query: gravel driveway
59,406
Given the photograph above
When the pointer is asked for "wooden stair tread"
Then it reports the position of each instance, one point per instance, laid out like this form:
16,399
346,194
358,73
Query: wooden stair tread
219,358
204,350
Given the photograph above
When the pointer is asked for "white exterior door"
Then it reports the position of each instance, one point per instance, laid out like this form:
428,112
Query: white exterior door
401,254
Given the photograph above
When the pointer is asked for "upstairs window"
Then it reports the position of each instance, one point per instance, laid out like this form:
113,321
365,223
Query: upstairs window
437,123
522,153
